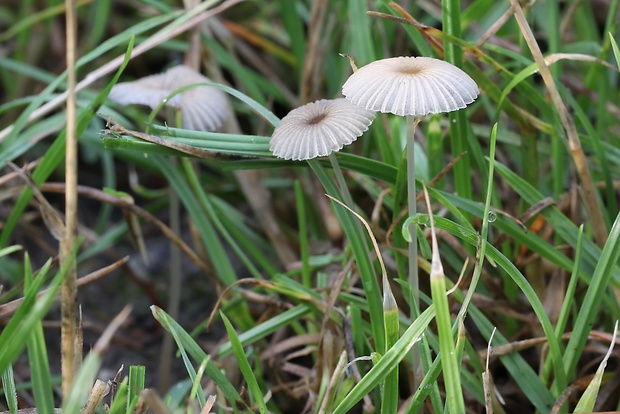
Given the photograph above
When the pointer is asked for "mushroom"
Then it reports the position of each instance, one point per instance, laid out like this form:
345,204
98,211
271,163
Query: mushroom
412,87
318,129
203,108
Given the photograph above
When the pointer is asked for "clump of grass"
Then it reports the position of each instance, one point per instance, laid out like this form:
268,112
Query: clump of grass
314,335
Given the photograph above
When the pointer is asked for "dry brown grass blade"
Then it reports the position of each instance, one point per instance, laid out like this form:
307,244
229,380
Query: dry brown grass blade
141,406
333,381
335,289
154,402
247,281
486,377
97,393
423,29
51,217
122,202
10,307
312,60
10,176
102,343
208,405
78,341
135,231
308,341
68,293
594,213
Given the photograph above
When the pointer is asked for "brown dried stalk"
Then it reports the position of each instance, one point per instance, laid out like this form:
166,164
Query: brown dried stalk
593,210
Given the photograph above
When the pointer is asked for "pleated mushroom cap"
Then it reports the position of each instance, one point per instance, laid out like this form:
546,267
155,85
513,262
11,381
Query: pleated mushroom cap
203,108
319,128
410,86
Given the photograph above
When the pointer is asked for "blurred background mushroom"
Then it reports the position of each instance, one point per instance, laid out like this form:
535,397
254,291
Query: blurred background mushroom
203,108
411,87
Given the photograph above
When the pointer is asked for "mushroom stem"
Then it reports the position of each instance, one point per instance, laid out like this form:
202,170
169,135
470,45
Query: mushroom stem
412,210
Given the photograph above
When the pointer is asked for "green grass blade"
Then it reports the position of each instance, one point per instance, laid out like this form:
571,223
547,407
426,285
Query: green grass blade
614,47
451,15
186,342
55,154
295,28
8,388
119,405
591,304
223,267
362,46
389,403
386,362
266,328
137,374
39,366
496,256
562,225
359,247
10,249
208,207
244,366
84,380
17,332
588,399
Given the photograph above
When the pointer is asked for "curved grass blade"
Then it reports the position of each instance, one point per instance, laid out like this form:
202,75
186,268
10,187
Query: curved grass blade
386,363
186,342
588,399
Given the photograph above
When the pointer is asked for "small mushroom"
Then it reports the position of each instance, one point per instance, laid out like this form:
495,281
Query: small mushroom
319,128
410,86
413,87
203,108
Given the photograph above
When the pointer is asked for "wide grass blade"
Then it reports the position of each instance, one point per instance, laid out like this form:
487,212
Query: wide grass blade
137,375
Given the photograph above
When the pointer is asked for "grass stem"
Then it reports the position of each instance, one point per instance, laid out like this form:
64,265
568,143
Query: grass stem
69,289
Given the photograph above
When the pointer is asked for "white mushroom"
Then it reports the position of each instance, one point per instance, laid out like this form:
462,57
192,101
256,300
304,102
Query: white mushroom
203,108
410,86
319,128
414,87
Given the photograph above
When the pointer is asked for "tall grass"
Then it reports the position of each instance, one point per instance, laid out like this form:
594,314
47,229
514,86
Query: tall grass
545,251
